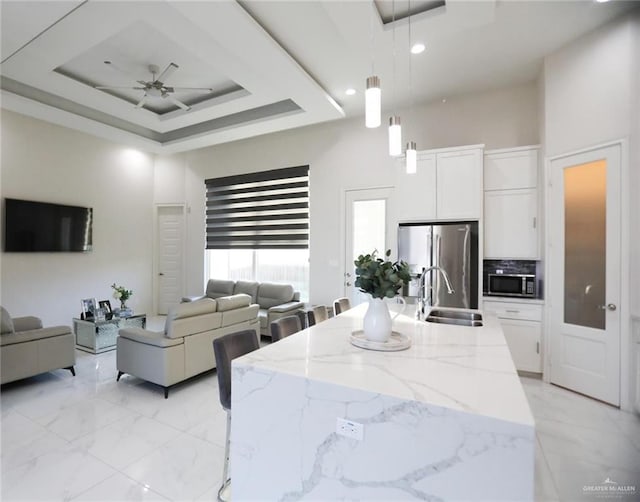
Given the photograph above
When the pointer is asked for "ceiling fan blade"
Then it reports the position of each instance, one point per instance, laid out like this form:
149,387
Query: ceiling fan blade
167,72
142,102
194,89
118,87
176,102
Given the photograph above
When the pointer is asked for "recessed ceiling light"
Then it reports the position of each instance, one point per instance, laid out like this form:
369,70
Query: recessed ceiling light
417,48
350,92
601,1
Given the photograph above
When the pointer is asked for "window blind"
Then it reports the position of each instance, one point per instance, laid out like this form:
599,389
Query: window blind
264,210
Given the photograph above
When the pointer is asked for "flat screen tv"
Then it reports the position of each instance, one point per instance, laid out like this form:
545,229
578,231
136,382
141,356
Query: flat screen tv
31,226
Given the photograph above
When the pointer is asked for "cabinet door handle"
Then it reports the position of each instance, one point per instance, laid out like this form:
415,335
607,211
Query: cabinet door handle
537,347
535,222
512,311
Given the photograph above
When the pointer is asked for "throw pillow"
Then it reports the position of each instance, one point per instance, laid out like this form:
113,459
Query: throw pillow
6,323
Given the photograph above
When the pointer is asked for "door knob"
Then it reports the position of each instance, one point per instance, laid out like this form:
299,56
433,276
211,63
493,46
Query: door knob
160,273
348,284
608,306
347,274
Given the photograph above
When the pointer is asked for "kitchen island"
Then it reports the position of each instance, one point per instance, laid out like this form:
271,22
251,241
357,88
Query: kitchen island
446,419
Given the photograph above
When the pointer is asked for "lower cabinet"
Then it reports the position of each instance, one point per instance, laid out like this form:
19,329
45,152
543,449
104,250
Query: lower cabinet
522,327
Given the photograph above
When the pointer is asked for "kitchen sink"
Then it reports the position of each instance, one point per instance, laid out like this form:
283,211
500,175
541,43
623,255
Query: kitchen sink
456,314
455,317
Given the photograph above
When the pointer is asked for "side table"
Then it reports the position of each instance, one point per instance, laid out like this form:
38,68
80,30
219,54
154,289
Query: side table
101,336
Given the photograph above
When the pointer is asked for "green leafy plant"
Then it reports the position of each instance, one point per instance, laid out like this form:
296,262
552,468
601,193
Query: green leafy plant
381,278
121,293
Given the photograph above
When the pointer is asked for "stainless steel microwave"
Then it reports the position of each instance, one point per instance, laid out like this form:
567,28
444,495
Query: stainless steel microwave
521,285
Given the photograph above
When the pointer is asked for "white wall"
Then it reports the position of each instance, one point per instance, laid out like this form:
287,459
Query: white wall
344,154
591,97
45,162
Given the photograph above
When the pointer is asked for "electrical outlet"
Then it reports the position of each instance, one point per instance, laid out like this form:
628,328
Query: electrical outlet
349,429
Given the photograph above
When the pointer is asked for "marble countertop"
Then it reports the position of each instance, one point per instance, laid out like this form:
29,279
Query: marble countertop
468,369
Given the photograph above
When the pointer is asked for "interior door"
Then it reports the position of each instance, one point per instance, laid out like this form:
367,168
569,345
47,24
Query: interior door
366,213
170,260
584,264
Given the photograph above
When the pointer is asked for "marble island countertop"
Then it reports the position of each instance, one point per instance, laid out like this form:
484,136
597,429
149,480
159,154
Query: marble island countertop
458,367
316,418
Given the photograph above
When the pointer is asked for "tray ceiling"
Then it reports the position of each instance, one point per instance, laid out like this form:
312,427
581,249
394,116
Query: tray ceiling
270,65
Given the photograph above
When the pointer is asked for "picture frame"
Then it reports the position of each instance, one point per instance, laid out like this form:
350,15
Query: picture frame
106,305
89,306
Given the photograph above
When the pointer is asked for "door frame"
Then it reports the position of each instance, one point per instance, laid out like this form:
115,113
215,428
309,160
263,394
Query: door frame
155,262
625,305
390,240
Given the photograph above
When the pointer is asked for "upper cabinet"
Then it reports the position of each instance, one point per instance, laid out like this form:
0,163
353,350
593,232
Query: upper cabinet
446,186
511,204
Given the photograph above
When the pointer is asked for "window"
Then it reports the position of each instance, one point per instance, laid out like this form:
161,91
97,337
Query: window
257,227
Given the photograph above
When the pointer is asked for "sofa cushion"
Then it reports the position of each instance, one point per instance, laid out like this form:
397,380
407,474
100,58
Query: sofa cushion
217,288
270,295
194,317
36,334
26,323
239,315
6,323
183,310
149,337
233,302
248,288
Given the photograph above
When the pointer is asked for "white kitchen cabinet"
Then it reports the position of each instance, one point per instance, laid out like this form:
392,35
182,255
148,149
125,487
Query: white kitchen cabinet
522,327
459,184
417,191
511,204
446,186
510,224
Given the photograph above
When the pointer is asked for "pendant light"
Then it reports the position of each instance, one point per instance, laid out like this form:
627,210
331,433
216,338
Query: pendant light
411,157
395,128
372,98
372,93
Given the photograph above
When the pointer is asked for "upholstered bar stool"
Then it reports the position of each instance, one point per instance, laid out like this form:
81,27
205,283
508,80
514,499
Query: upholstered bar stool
227,348
341,305
285,326
317,314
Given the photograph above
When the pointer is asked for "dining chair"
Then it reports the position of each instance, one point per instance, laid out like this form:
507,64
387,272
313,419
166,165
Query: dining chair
226,348
341,305
285,326
317,314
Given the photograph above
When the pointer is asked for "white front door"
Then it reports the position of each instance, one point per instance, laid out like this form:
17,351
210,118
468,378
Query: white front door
584,264
365,228
170,257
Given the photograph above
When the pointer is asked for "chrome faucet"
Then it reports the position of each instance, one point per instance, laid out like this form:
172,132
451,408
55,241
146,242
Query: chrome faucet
422,300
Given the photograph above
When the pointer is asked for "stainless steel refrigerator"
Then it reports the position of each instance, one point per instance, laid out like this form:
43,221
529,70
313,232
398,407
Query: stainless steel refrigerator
451,246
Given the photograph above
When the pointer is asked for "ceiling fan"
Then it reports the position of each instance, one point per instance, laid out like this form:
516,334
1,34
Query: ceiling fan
156,87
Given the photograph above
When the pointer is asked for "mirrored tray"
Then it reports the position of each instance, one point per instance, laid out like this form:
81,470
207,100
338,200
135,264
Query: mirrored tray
397,341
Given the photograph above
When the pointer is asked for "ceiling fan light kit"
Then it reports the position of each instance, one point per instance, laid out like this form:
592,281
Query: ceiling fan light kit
156,87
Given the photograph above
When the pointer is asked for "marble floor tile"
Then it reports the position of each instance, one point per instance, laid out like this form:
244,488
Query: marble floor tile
119,487
182,469
545,487
22,440
85,417
59,475
126,440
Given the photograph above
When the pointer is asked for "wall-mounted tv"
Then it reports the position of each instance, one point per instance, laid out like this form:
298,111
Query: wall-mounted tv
31,226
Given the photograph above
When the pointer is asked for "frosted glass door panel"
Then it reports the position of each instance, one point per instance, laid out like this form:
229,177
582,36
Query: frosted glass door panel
585,197
369,226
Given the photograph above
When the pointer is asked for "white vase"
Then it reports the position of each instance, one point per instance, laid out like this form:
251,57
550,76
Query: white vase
377,321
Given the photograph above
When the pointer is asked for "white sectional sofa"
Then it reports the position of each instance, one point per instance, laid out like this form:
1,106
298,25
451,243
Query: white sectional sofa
275,300
185,347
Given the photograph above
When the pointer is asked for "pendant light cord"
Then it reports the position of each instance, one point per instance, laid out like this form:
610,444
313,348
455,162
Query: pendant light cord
393,22
410,82
373,47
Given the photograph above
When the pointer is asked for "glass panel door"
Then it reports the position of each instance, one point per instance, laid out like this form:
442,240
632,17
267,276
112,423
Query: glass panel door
585,232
